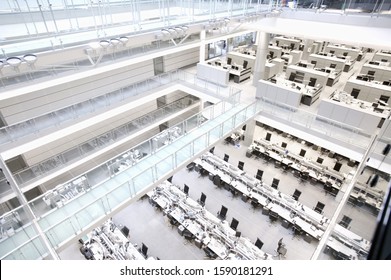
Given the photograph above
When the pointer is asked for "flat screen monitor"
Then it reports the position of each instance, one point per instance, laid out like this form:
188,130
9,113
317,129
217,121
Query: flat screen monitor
186,189
238,234
302,152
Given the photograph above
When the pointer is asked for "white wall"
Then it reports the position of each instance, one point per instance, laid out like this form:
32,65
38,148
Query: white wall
55,147
181,59
37,100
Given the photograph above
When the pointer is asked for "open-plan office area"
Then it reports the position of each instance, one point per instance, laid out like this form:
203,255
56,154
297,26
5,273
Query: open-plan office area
206,131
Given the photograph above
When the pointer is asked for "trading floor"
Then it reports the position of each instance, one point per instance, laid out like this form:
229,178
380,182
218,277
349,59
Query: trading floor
149,225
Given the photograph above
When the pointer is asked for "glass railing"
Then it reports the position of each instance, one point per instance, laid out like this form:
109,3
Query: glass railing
69,114
373,7
106,139
349,136
64,221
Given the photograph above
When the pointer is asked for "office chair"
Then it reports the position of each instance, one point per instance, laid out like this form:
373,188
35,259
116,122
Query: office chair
190,166
202,199
296,194
273,216
241,165
302,152
319,207
275,183
258,243
259,174
212,150
222,213
234,224
186,189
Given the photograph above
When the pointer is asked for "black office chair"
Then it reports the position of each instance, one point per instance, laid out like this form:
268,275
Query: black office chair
296,194
234,224
273,216
258,243
222,214
190,166
241,165
186,189
202,199
226,157
297,230
302,152
259,174
345,222
319,207
144,250
275,183
212,150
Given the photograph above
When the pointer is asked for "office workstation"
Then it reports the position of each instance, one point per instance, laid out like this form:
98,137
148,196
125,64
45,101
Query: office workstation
380,71
221,71
382,56
291,93
342,50
211,233
343,108
322,60
364,88
310,223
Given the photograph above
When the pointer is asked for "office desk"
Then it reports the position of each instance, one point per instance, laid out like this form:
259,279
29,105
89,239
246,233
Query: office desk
340,250
298,163
354,240
268,197
213,233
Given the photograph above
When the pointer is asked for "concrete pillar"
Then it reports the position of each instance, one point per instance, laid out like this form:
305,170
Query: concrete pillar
202,46
249,133
260,61
307,49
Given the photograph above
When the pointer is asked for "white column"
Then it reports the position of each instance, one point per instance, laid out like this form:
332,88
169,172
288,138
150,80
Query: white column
260,61
249,133
202,46
307,48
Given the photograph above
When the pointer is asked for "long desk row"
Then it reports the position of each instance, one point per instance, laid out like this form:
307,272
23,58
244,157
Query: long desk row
107,242
269,198
197,223
331,179
291,211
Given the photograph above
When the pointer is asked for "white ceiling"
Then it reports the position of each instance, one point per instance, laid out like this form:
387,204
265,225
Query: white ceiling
358,35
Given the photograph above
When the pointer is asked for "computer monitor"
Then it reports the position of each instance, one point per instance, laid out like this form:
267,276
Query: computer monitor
283,145
238,234
302,152
245,63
